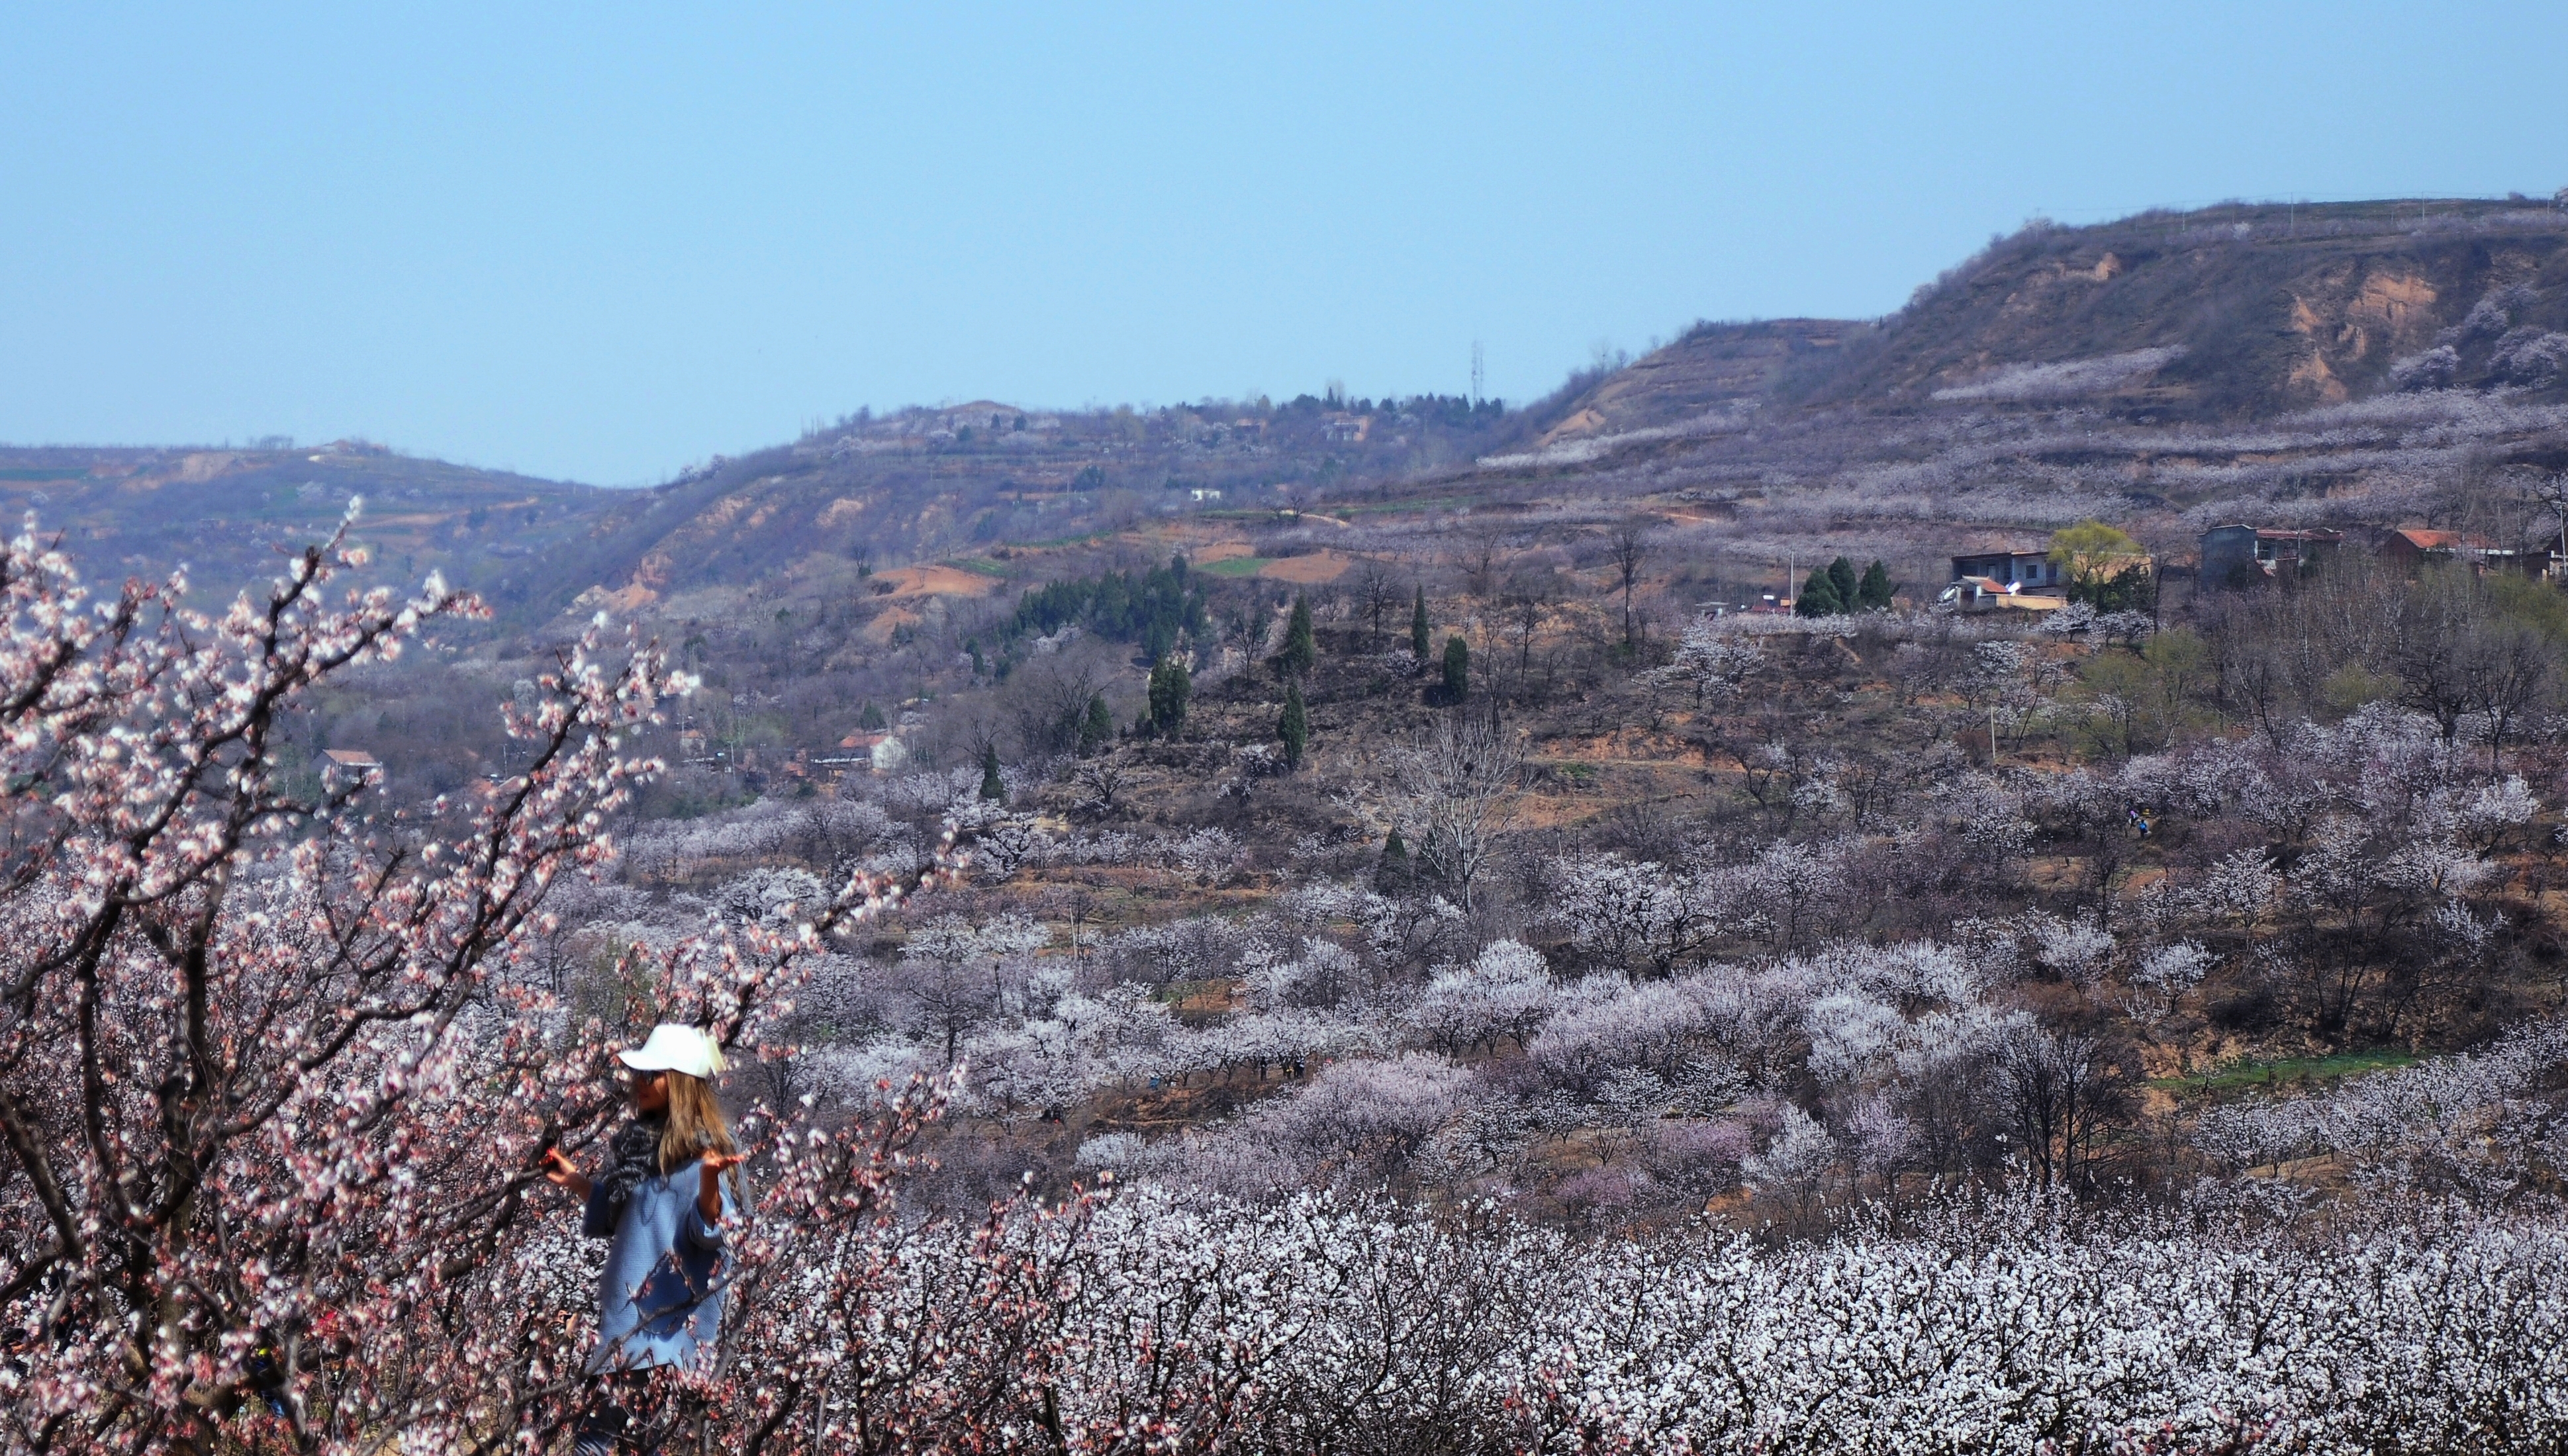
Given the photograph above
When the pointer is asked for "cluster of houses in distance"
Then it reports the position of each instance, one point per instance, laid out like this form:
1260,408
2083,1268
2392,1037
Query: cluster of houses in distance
2234,557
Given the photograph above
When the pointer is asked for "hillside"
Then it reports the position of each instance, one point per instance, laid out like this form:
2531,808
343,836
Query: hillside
2235,313
1712,366
228,514
911,486
2316,364
928,483
2232,313
2352,365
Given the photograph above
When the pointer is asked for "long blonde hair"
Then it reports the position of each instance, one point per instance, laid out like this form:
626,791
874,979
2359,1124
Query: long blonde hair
696,1125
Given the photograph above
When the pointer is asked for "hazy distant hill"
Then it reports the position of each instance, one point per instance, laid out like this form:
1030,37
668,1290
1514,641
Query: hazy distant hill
2230,313
2060,373
916,484
2254,310
230,515
926,483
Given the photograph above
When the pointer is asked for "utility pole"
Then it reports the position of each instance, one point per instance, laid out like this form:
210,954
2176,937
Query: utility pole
2559,494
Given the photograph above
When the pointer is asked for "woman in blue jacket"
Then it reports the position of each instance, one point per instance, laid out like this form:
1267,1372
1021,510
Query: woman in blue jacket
665,1202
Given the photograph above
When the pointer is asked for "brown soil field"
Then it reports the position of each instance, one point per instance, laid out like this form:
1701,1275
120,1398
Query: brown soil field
1309,570
937,581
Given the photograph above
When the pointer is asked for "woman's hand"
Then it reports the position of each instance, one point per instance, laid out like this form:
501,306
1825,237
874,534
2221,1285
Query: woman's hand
562,1173
709,1182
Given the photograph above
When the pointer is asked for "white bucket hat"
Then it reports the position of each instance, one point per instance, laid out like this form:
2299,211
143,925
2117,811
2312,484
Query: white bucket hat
675,1048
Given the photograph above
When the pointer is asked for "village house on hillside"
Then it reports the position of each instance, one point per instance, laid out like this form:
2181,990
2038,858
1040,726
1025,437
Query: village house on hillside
875,753
349,762
2231,553
2413,546
2030,580
2040,569
2016,571
1982,593
2237,554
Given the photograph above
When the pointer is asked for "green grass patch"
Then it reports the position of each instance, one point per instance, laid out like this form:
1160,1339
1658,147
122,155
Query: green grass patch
2285,1072
1235,566
979,566
1081,540
1395,507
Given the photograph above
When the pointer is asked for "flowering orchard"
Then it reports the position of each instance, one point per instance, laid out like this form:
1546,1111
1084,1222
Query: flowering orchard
279,1067
2014,1327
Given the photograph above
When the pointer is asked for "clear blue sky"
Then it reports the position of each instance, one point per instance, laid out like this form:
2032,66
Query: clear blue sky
599,243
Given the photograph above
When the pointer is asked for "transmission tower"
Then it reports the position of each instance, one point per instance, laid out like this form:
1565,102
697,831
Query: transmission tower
1476,394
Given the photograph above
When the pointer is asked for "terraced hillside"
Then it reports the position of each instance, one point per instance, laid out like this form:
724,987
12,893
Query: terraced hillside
2312,365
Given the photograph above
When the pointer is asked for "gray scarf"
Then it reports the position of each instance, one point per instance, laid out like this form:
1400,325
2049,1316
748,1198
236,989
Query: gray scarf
635,1156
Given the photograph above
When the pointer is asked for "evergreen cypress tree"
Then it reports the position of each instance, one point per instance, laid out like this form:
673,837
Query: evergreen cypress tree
1841,576
1300,647
1171,686
1295,727
990,787
1418,627
1872,594
1099,730
1818,596
1392,875
1458,670
871,720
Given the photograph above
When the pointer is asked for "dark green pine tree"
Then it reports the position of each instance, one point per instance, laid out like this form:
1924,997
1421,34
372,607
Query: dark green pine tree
1458,670
1171,686
1294,728
1099,730
1300,647
1418,627
1872,594
871,720
1818,596
1393,874
1841,576
990,787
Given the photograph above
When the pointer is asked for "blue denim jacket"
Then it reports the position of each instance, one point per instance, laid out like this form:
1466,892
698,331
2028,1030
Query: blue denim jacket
660,1301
